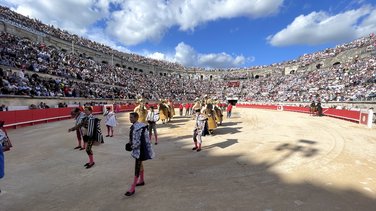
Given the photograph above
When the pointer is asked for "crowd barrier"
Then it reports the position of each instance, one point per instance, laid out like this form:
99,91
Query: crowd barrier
14,119
361,117
35,116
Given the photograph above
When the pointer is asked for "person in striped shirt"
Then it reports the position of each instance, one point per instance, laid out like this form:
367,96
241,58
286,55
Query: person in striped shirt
87,127
78,115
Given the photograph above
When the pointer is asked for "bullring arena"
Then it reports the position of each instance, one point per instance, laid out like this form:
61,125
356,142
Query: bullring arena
257,160
271,155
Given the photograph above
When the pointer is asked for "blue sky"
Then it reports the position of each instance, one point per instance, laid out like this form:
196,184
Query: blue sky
210,33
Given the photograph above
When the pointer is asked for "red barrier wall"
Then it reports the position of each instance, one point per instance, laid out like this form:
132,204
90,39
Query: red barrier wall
343,114
30,117
353,116
124,108
296,109
8,116
35,116
97,109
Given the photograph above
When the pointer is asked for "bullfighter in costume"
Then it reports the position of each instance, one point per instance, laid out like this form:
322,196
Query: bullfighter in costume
141,148
152,119
78,115
199,130
217,111
208,111
319,108
312,108
87,126
197,104
110,121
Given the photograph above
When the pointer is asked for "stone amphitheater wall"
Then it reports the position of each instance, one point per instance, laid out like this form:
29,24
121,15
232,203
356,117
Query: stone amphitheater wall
105,58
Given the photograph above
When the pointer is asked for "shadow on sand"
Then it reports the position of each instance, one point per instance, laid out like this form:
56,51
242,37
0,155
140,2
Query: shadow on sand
228,181
178,178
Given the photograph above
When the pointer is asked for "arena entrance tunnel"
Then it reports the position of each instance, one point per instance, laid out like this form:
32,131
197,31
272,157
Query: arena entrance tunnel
232,100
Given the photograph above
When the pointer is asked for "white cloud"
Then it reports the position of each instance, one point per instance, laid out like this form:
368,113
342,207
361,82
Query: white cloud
71,15
135,21
157,56
138,21
186,55
220,60
195,12
320,27
141,20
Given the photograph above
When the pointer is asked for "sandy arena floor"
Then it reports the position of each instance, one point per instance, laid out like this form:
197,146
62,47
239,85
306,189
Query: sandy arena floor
258,160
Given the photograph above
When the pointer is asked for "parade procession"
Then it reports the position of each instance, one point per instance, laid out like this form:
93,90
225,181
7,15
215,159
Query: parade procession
205,111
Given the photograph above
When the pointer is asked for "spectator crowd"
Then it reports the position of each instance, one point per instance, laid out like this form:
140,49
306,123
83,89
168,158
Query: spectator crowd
34,69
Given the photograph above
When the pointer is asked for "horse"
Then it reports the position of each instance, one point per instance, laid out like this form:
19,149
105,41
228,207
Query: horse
163,112
313,110
218,114
171,110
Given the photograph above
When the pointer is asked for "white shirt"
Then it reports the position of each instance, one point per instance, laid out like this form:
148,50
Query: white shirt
2,136
151,116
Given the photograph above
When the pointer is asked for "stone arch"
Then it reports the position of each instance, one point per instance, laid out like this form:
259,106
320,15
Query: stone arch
336,63
52,46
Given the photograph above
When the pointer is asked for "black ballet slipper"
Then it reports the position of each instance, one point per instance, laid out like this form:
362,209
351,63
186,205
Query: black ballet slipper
90,165
129,193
